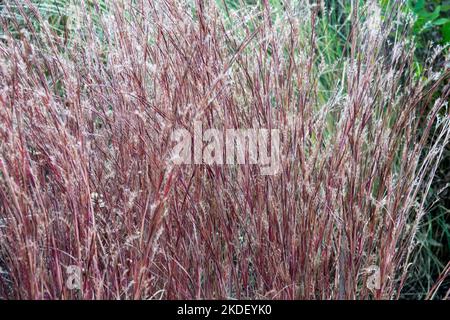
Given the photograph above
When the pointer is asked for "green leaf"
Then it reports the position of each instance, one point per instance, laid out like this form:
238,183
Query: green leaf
420,5
441,21
446,33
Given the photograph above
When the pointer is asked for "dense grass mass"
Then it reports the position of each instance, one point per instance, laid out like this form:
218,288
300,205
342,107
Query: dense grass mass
91,93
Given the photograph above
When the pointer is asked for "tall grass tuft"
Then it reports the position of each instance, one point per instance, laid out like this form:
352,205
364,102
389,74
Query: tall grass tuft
87,112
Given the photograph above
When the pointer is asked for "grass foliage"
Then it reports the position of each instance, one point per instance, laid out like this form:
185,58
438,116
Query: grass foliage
92,91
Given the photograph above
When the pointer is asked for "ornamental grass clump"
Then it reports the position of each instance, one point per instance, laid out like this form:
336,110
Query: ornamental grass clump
88,108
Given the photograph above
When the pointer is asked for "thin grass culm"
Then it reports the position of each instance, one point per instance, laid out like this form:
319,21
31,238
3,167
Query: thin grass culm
88,109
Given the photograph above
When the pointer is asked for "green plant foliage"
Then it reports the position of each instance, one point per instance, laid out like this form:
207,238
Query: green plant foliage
433,20
431,28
